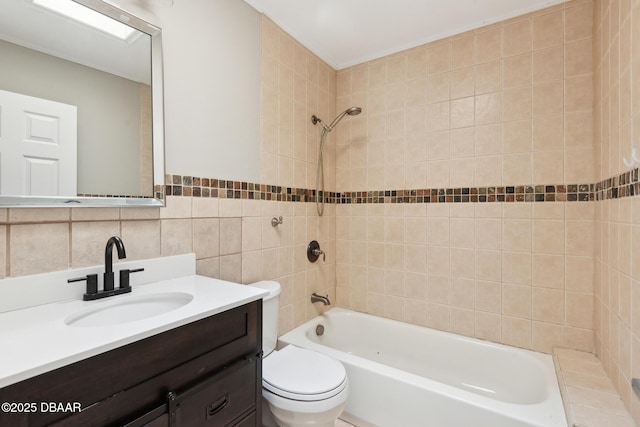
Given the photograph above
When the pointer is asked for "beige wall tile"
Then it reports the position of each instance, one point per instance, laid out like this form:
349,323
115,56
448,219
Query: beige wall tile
578,58
516,301
548,99
462,321
438,88
548,236
98,214
462,112
517,104
206,237
548,64
578,93
142,238
88,241
488,296
176,207
516,38
488,326
231,236
516,268
579,310
463,52
578,21
137,213
38,248
488,77
579,237
439,58
488,109
548,30
175,237
548,271
546,336
231,268
548,166
488,45
516,235
516,332
38,215
517,71
488,140
547,305
547,133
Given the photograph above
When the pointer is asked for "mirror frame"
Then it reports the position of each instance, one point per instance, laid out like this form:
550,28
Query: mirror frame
157,130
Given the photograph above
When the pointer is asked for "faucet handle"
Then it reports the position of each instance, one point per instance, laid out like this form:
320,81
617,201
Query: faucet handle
92,283
318,252
124,277
314,251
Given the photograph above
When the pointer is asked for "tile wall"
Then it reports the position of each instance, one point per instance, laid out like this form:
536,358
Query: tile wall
617,250
296,84
506,105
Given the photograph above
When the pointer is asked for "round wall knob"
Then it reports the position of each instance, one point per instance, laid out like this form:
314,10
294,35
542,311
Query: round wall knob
314,251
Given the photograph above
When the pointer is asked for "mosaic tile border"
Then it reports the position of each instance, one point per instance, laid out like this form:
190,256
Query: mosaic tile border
626,184
179,185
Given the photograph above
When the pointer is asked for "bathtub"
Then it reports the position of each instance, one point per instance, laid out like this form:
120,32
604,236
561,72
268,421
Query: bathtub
403,375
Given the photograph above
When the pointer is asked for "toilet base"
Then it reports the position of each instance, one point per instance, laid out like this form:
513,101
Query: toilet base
287,413
289,419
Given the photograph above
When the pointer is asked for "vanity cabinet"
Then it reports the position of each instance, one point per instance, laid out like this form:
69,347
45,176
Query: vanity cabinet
206,373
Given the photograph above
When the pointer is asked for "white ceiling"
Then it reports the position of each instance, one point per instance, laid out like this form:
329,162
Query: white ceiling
348,32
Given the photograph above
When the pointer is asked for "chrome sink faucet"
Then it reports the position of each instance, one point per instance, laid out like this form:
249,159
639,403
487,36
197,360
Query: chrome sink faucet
108,286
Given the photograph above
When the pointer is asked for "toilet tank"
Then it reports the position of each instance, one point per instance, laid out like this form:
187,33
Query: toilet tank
270,312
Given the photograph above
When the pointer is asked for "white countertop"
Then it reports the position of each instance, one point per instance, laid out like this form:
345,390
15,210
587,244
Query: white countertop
37,340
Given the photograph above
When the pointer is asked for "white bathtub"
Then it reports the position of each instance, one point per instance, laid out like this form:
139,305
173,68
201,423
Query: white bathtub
403,375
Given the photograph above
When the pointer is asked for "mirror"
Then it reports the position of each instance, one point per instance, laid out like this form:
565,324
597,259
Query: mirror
81,109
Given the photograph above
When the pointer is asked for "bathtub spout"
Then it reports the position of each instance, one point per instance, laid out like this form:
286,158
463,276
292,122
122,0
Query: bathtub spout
319,298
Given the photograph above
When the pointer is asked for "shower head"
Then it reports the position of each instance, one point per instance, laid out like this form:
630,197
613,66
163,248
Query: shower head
353,111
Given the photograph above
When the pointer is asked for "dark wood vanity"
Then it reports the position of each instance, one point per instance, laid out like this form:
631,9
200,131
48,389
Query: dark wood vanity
206,373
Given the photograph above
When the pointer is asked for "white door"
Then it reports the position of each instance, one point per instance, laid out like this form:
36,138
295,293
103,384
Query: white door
38,140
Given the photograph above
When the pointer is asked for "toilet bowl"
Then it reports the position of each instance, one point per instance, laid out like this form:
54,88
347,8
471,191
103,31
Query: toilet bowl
300,387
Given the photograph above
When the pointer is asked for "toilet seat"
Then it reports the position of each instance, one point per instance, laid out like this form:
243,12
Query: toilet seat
301,374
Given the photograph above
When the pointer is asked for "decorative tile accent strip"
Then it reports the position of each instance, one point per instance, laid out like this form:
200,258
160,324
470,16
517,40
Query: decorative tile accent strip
624,185
178,185
521,193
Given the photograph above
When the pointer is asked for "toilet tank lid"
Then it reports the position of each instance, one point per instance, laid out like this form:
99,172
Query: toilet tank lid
269,285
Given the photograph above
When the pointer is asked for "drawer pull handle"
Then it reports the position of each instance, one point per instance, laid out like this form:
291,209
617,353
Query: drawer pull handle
212,410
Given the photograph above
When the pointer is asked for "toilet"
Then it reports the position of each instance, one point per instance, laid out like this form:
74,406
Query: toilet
300,387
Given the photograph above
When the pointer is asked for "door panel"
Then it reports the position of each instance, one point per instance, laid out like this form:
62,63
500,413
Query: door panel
38,143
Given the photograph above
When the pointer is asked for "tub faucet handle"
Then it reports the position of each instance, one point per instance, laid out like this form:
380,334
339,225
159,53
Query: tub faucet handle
314,252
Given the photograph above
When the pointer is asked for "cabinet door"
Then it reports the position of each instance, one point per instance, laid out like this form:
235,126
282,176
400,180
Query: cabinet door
218,400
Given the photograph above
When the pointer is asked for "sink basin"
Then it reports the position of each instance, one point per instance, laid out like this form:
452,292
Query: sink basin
128,309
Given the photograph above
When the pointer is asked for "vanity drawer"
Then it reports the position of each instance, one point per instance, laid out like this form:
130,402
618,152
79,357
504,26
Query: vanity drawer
218,400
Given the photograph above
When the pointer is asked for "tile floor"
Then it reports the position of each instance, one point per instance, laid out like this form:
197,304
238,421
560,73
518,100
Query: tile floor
340,423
